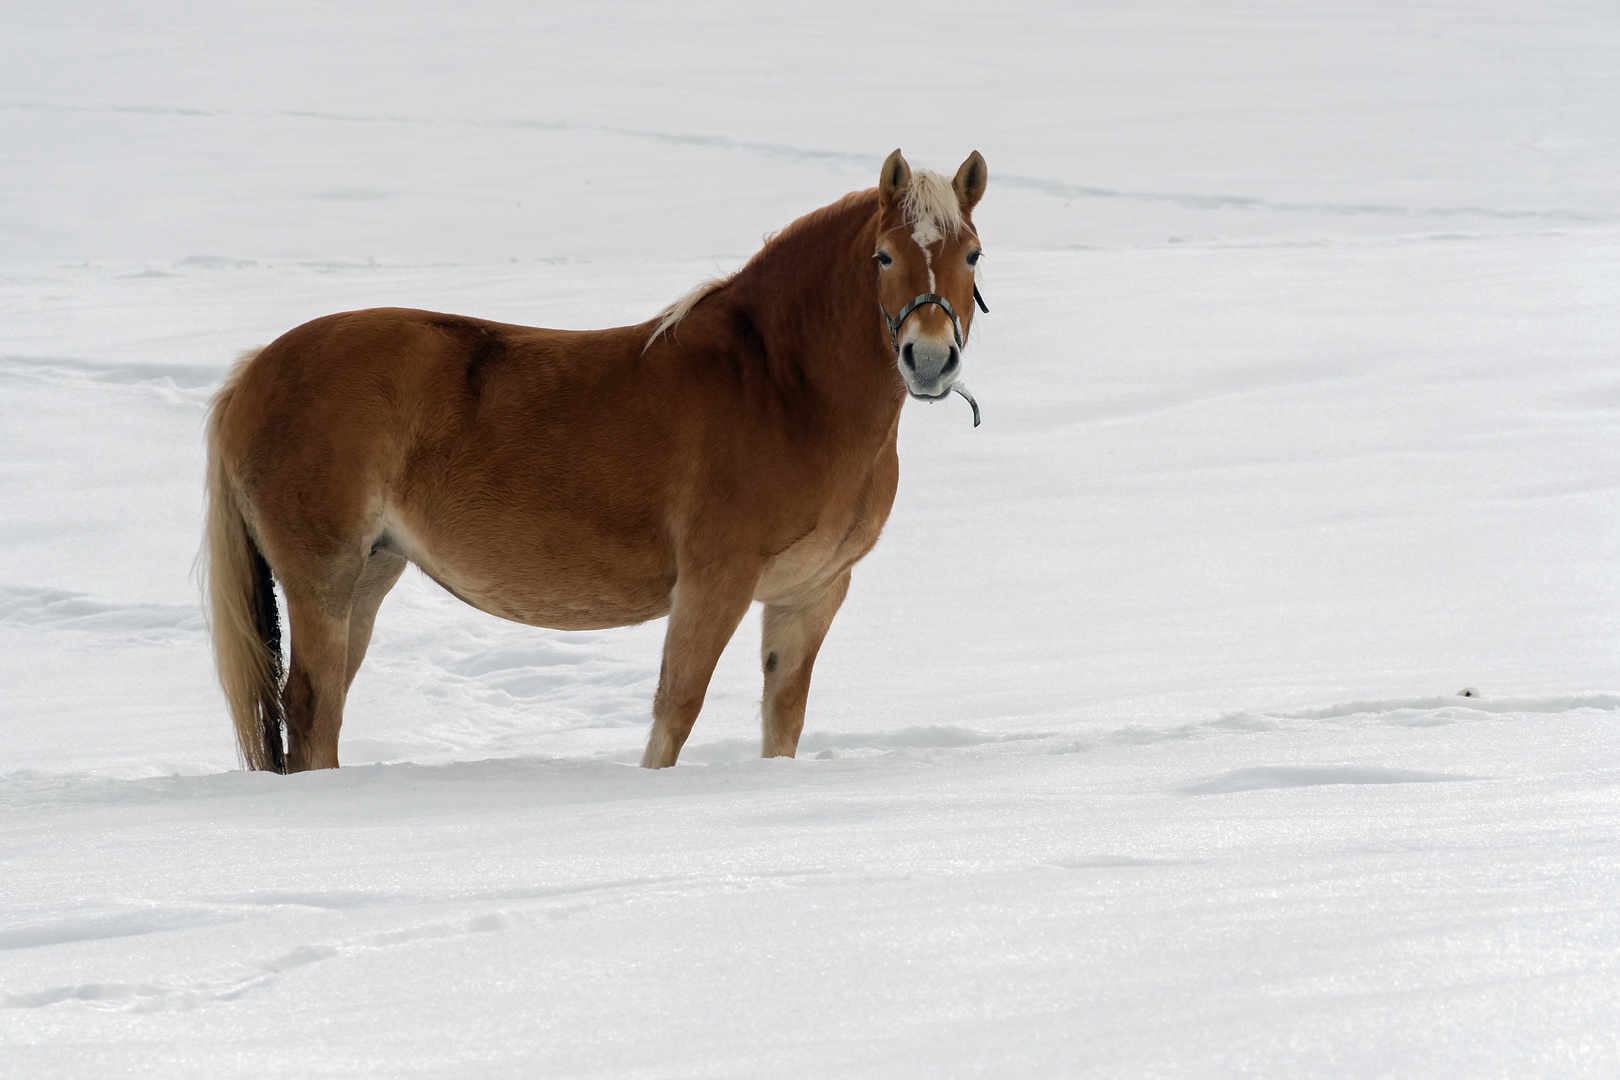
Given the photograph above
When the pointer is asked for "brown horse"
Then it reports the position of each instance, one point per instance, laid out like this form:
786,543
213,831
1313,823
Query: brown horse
739,447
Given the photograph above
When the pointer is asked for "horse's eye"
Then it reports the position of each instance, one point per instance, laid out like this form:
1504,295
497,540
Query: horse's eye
973,257
884,259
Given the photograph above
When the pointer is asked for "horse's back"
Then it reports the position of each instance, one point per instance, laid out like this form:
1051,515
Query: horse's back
379,360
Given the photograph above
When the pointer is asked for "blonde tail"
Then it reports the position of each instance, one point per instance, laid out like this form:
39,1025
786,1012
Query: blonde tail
242,608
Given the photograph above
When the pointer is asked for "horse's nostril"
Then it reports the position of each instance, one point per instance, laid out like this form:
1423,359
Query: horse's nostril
951,363
907,357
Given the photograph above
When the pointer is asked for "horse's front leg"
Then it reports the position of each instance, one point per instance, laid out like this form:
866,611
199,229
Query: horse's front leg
792,637
706,610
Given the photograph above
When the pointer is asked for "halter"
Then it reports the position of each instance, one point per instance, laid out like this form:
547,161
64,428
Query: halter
918,301
956,328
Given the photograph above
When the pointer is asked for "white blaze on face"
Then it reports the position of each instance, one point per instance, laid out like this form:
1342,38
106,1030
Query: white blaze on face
925,234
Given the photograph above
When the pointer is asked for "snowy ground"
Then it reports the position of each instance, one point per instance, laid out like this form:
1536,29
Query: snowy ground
1136,750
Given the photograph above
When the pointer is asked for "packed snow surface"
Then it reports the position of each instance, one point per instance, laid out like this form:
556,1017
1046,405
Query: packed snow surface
1137,750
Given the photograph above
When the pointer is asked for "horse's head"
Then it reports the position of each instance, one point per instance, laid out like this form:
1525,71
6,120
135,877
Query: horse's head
926,254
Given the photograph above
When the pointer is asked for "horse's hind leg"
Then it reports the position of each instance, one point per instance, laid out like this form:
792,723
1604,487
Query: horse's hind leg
381,572
331,605
320,602
792,636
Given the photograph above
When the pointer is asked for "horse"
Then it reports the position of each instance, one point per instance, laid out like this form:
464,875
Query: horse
738,447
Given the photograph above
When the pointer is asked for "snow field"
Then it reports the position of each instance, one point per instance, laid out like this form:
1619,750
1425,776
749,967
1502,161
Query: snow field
1136,750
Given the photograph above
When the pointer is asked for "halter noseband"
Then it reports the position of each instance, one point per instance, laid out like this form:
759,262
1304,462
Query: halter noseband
918,301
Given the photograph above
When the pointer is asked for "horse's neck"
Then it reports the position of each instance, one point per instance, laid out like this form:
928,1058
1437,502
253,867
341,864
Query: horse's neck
817,316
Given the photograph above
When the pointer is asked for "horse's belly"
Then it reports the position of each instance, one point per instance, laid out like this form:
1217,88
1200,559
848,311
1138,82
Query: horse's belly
609,604
581,585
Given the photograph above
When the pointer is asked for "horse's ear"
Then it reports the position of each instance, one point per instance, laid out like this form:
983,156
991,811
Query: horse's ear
970,181
893,180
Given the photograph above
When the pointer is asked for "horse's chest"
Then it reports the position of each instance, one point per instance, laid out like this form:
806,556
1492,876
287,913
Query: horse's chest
840,537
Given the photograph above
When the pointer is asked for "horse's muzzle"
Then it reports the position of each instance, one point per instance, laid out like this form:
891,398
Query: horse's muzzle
930,367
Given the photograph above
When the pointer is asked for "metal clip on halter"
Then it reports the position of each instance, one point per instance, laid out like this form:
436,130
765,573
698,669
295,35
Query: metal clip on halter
958,388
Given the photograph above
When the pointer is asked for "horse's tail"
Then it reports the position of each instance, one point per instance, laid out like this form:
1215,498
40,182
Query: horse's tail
242,606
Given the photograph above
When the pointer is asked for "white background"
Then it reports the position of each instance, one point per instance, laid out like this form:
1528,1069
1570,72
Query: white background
1135,751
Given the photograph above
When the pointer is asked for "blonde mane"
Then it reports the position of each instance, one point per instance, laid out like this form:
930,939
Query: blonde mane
671,316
